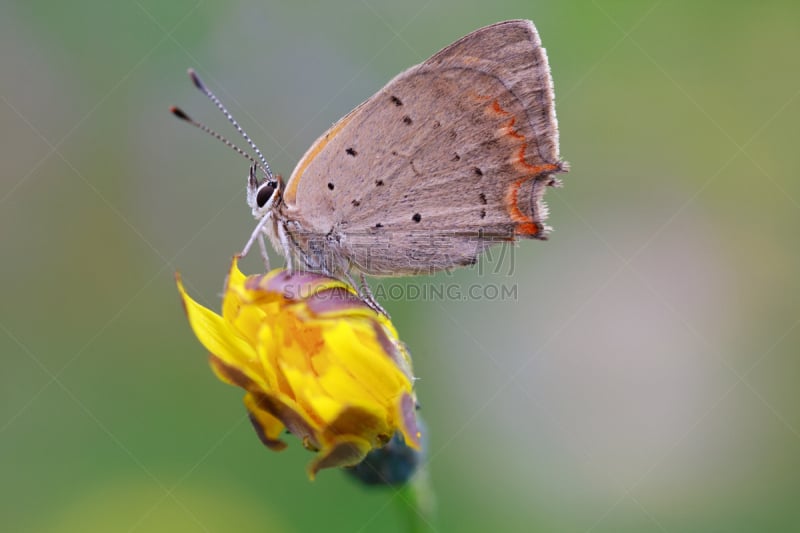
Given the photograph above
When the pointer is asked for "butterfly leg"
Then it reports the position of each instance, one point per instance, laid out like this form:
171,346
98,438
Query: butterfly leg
283,235
259,231
263,246
366,294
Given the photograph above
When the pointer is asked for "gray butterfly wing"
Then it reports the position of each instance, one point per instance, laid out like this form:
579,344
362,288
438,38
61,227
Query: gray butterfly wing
449,157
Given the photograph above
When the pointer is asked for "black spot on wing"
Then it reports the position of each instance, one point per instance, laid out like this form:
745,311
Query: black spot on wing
417,217
330,186
379,183
356,203
483,198
407,120
477,171
351,152
396,101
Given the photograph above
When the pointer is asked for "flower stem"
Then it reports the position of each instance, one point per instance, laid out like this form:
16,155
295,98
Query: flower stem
417,503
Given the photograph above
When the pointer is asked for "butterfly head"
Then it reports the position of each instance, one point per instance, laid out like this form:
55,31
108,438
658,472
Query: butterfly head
263,195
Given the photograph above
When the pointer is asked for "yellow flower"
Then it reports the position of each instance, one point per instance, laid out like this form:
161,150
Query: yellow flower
313,359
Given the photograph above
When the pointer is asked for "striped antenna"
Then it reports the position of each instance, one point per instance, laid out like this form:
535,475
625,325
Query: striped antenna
200,85
178,112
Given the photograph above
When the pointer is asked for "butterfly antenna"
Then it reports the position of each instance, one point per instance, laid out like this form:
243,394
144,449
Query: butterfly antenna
200,85
178,112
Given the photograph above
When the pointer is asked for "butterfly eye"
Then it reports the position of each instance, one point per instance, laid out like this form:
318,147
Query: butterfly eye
265,192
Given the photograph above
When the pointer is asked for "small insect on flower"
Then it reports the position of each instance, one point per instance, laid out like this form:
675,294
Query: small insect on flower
314,359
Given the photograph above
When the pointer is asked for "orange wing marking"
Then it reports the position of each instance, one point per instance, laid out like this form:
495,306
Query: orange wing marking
525,224
291,191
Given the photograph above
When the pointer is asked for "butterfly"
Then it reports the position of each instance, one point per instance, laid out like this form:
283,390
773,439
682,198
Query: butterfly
451,156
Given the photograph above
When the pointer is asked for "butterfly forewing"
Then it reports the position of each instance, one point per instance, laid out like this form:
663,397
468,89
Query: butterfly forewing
451,156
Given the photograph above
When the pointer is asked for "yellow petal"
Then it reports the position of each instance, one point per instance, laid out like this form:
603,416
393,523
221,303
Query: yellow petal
267,352
291,415
310,396
365,421
213,333
338,383
235,276
266,425
346,451
355,348
407,421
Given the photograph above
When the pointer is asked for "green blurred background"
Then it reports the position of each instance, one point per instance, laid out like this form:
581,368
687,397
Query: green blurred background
644,380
